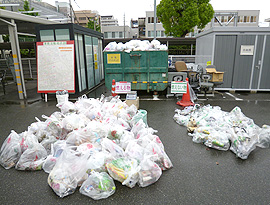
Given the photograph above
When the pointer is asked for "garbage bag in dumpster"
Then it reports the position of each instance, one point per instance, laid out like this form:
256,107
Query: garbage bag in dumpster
98,186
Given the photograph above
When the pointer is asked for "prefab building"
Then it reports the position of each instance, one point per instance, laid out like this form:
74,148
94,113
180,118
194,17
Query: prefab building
87,47
242,53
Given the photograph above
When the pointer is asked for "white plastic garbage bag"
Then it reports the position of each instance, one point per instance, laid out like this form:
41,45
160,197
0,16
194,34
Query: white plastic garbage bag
98,186
11,150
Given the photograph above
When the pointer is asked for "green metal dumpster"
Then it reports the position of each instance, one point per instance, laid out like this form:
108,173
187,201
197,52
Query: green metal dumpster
146,70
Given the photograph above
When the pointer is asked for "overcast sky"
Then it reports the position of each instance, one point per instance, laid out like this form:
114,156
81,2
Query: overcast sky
135,9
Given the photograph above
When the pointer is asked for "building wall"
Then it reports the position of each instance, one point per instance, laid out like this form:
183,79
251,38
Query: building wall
82,17
117,32
108,21
149,26
245,18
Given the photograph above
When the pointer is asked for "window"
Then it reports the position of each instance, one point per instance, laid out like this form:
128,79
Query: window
62,34
248,17
151,20
105,35
158,33
254,19
245,19
222,19
162,34
120,34
150,33
109,34
46,35
82,18
240,19
230,17
113,34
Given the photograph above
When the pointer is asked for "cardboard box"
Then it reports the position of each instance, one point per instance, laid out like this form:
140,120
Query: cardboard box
134,102
215,75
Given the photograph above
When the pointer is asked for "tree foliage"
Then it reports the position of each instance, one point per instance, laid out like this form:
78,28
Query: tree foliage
179,17
26,7
92,24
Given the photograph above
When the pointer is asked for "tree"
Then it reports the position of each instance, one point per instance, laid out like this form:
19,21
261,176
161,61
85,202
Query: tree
26,7
179,17
93,25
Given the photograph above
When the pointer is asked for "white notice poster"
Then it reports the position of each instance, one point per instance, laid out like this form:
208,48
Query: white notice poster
55,66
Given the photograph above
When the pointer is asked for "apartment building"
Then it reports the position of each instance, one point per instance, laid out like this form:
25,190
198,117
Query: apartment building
149,26
111,29
83,16
108,21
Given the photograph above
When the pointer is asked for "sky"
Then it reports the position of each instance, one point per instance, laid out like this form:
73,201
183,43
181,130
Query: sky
135,9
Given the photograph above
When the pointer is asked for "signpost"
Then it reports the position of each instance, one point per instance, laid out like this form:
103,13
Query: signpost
122,87
178,87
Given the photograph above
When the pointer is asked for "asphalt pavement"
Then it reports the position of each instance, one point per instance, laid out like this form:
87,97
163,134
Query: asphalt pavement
199,176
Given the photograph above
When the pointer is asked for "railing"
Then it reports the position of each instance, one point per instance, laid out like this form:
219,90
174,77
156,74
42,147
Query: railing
186,58
29,65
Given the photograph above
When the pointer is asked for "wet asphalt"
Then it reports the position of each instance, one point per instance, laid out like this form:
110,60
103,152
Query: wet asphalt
199,176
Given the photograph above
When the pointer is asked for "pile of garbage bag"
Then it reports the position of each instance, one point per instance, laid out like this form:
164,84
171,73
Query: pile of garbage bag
136,45
223,130
89,144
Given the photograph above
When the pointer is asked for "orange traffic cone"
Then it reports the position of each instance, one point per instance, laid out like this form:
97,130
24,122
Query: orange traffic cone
113,88
186,98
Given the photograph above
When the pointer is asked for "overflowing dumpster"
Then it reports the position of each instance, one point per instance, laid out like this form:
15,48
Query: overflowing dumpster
146,70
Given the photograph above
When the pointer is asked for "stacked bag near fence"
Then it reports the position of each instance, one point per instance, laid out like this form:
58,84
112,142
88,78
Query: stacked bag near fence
90,143
136,45
223,130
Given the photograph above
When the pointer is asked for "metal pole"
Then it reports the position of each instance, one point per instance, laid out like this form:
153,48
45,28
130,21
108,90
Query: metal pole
17,62
30,68
124,27
155,19
71,20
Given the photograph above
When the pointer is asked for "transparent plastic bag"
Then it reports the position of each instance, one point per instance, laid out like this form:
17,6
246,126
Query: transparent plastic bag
162,159
11,150
150,172
68,172
115,150
140,125
141,115
49,163
96,162
124,170
33,157
98,186
264,137
133,150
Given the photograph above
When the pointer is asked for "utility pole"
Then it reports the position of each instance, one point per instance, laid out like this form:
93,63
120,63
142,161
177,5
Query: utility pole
155,20
124,26
70,8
